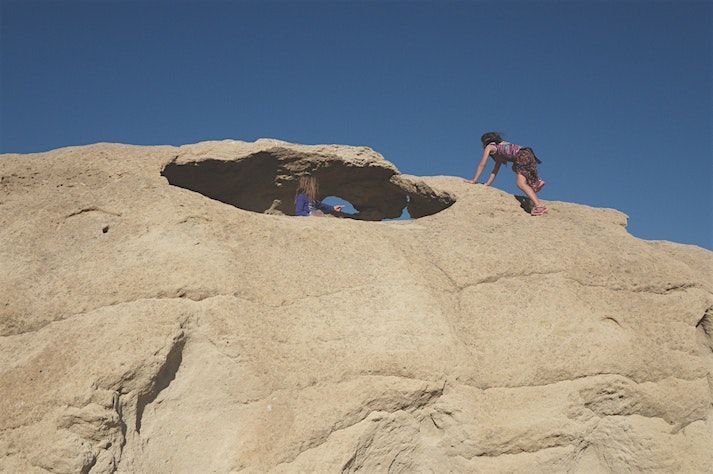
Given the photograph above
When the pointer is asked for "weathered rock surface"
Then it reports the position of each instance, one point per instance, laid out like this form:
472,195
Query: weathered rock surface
148,328
262,177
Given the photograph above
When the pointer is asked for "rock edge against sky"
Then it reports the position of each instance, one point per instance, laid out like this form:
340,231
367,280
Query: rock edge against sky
149,328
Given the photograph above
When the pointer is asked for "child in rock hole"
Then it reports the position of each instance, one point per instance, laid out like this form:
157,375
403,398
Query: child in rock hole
306,202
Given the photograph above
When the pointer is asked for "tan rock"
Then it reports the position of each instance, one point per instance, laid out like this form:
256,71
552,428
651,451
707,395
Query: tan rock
148,328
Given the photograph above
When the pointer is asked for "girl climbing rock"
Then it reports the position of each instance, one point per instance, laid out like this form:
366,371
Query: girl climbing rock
524,164
306,203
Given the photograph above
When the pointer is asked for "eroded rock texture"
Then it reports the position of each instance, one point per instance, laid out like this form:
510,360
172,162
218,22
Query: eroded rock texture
148,328
262,177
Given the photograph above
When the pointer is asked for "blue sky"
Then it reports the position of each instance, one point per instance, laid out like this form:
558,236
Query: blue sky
615,97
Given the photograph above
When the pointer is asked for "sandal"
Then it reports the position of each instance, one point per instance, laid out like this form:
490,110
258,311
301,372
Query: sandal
538,186
538,211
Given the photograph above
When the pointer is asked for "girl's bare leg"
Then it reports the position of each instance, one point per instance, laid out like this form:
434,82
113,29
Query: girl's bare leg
522,184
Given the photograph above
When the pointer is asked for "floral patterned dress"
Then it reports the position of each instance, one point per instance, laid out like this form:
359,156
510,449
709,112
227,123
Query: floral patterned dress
523,160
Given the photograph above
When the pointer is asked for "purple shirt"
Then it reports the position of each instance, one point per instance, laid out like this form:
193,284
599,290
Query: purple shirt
304,207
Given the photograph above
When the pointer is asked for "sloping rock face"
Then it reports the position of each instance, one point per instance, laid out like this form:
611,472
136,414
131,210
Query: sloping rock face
146,326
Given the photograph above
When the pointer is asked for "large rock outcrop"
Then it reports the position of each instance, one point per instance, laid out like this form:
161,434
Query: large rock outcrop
262,177
146,326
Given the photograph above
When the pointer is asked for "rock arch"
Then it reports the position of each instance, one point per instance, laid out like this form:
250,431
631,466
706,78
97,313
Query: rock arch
265,180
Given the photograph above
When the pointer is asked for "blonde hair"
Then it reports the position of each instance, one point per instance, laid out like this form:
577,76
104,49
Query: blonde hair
308,185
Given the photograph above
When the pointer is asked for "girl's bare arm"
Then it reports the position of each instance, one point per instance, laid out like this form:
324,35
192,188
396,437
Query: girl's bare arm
483,161
493,173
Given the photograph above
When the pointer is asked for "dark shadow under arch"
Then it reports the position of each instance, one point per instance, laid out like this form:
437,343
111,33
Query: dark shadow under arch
265,182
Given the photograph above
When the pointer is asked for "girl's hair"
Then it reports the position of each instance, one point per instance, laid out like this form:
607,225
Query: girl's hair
307,185
490,137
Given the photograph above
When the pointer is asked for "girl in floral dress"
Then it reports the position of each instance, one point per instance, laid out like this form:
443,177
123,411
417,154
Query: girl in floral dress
524,164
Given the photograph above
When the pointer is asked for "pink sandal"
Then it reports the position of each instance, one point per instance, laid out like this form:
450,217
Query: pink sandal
538,186
538,211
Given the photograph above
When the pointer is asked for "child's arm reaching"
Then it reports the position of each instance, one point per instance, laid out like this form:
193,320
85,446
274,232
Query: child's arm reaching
327,208
481,166
493,173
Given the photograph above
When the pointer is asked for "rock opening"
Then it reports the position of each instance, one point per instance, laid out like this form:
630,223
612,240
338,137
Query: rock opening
349,211
265,182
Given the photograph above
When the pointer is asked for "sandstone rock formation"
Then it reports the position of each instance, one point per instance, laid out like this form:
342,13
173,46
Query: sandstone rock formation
146,327
262,177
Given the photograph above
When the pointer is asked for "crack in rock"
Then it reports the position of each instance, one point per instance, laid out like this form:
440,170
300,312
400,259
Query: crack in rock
705,328
92,209
165,375
395,402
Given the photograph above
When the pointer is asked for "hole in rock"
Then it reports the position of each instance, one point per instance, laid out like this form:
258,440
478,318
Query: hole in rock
349,211
266,181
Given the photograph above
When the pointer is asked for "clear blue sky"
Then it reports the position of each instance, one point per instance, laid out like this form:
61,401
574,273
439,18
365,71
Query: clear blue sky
615,97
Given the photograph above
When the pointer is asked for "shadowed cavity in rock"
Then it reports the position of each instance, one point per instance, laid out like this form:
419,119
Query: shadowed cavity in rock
266,181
